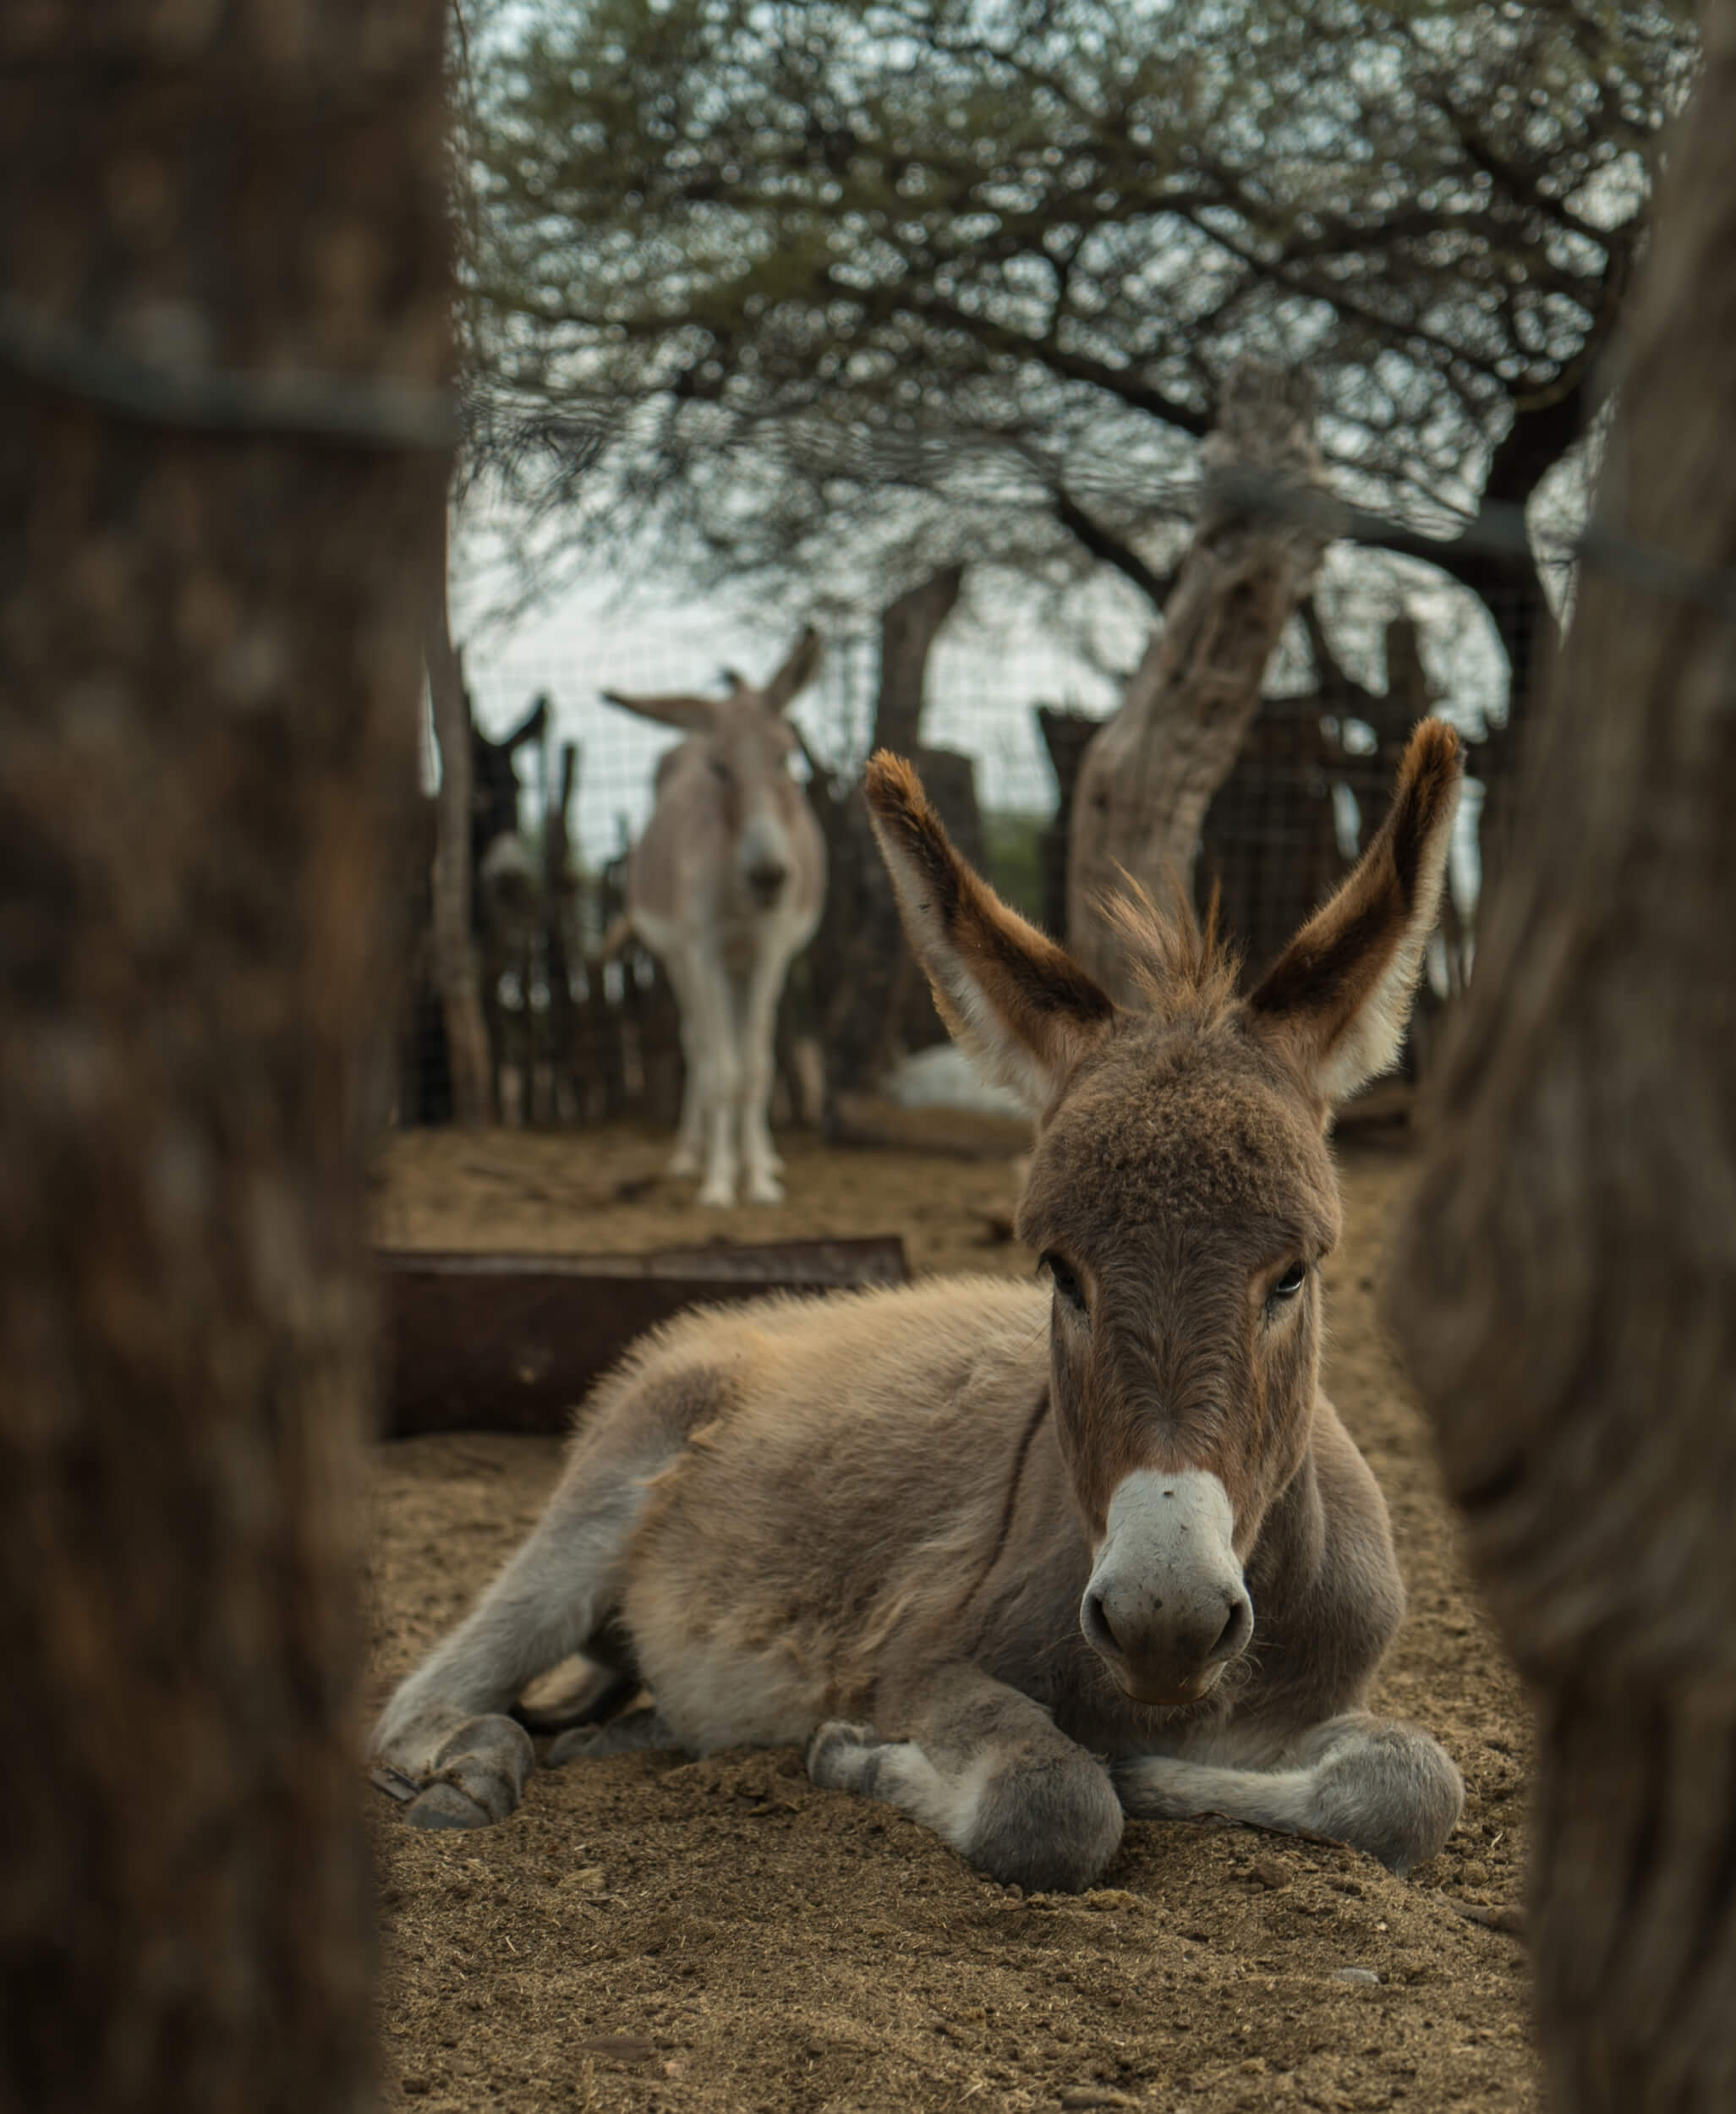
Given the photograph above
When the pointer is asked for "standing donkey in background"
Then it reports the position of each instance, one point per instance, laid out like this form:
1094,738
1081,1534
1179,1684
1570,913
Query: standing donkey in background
725,887
1013,1560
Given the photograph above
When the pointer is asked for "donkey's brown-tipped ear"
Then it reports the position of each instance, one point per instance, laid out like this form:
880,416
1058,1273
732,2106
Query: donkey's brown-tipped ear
1339,996
797,672
1019,1005
692,715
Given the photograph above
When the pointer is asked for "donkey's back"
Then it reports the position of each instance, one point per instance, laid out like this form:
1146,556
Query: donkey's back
846,1472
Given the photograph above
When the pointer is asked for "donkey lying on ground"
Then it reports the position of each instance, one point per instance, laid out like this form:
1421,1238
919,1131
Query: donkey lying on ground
1101,1548
726,888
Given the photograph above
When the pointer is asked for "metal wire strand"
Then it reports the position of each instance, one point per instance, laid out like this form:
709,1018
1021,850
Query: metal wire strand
356,411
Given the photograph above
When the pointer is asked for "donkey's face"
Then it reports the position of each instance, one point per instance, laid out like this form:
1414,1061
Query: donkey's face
746,753
1181,1195
742,744
1182,1198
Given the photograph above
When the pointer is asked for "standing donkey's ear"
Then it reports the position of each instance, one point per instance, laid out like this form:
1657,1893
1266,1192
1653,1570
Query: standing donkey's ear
1011,997
797,672
692,715
1338,997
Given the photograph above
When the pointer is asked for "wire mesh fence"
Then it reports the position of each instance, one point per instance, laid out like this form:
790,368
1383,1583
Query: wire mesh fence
581,1024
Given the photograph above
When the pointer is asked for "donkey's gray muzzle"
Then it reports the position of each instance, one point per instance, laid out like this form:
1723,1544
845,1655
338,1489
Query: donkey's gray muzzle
767,883
764,857
1165,1607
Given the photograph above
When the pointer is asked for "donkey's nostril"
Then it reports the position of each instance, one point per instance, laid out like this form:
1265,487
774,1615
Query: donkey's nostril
1235,1633
1097,1626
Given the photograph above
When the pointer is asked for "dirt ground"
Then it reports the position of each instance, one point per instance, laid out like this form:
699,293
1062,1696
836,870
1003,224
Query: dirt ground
650,1933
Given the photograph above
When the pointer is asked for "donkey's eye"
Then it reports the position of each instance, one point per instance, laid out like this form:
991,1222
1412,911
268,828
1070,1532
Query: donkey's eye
720,770
1065,1282
1291,1282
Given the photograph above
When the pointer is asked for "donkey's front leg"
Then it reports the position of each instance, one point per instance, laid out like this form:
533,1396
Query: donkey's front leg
715,1059
986,1768
689,1154
1385,1789
759,1021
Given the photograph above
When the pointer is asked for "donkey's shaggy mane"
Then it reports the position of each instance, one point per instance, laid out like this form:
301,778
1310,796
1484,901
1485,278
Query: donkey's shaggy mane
1179,965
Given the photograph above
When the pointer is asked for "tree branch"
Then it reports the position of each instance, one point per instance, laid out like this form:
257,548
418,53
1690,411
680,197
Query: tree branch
1118,381
1091,536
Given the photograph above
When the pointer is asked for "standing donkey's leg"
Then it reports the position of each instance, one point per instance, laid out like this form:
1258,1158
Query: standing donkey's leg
759,1021
986,1768
1386,1789
446,1726
710,1003
688,1156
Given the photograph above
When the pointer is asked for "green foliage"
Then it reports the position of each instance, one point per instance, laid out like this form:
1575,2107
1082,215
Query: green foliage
1012,858
779,275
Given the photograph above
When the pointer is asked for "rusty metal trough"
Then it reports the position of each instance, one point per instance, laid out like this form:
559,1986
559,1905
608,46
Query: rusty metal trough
510,1343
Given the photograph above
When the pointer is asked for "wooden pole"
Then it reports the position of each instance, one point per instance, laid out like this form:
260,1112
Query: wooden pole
457,969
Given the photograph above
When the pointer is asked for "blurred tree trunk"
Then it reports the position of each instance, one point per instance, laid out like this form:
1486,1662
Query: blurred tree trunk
1511,590
1066,735
908,629
458,962
1268,844
1567,1284
208,687
1149,775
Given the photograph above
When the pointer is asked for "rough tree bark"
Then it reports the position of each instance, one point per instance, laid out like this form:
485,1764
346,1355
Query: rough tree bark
908,629
866,987
208,683
1566,1289
458,966
1148,776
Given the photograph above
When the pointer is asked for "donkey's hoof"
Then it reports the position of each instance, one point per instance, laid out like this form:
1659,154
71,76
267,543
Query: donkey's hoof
443,1804
764,1189
473,1791
581,1743
477,1775
841,1757
635,1732
718,1196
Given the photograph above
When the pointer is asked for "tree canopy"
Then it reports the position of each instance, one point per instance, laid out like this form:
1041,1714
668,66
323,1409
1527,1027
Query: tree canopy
782,272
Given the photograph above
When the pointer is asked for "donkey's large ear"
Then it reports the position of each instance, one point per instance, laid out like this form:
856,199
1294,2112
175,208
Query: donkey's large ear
692,715
1338,997
797,672
1014,1001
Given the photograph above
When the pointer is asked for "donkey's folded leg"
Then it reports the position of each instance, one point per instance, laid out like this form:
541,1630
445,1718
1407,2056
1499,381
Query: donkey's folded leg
446,1726
986,1768
1384,1788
